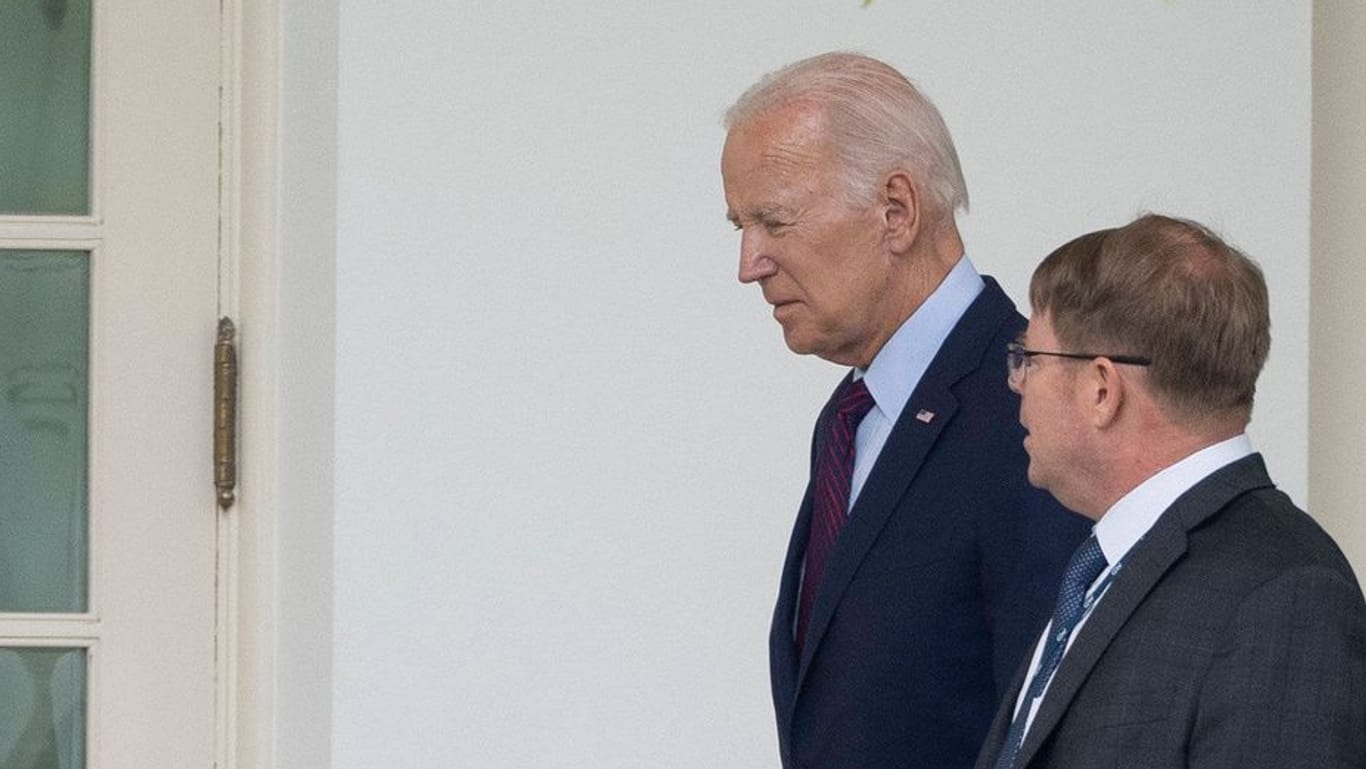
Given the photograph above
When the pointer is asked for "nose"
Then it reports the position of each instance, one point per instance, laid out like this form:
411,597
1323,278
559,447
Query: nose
755,262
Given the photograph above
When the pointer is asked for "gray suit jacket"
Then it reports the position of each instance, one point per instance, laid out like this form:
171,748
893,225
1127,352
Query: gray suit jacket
1234,638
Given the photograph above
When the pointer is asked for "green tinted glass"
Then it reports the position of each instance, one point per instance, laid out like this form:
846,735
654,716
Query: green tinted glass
44,106
44,392
42,711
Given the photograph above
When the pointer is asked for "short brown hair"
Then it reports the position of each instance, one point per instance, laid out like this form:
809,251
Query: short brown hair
1169,290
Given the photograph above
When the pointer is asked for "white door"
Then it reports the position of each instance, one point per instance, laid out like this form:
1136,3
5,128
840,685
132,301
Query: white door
109,183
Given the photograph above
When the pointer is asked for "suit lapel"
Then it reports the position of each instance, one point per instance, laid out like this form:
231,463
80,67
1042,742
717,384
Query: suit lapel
1143,568
902,455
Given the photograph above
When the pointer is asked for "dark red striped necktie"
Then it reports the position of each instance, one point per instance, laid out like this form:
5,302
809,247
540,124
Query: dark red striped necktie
830,506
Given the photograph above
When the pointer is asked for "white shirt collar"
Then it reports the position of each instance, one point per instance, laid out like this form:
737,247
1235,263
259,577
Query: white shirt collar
1135,513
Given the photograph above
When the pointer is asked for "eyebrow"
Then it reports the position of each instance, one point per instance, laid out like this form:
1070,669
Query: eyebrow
764,213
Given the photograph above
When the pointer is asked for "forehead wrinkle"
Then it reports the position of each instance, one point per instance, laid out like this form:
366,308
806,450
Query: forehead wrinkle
793,176
790,157
778,163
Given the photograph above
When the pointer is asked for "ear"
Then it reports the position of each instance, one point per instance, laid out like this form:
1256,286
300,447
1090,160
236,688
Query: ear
1105,392
901,213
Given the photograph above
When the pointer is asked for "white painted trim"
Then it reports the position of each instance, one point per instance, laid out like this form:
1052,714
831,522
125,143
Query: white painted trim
47,241
95,179
247,266
227,596
30,227
49,629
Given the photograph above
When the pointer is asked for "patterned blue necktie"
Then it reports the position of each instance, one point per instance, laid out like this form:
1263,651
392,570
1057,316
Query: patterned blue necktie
1087,563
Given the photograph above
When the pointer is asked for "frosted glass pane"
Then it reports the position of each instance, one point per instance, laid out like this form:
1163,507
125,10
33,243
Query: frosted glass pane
44,107
44,392
42,710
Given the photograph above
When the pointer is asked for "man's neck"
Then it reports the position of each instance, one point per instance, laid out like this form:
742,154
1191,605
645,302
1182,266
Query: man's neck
923,270
1148,453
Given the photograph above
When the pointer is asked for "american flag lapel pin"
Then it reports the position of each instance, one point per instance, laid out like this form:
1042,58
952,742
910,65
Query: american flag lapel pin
925,416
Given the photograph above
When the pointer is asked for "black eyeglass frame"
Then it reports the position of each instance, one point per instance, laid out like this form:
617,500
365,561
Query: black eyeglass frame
1017,354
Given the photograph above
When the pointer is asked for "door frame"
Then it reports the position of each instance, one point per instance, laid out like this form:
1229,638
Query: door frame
247,534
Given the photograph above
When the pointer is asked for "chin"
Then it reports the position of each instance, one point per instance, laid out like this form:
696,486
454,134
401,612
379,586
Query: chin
798,343
823,347
1036,477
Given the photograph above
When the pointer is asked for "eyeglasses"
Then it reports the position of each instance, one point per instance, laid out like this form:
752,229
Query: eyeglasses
1017,359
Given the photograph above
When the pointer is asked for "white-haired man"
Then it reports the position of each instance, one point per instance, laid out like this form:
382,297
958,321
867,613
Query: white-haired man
922,563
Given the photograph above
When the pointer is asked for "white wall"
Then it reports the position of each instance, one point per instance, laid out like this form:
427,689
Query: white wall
568,446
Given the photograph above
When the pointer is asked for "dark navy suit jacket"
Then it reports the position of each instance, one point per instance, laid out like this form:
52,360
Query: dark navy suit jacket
940,582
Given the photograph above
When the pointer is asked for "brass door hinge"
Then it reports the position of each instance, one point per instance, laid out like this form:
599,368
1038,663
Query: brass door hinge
225,413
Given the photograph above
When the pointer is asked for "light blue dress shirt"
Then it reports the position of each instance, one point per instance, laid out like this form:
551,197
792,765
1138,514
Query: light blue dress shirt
902,361
896,370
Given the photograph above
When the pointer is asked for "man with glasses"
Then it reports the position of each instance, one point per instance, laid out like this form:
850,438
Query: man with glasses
922,562
1207,622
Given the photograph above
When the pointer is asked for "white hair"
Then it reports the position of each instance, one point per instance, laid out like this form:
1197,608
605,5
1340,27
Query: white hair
876,121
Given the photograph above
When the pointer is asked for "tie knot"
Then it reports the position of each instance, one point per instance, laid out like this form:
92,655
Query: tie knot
855,402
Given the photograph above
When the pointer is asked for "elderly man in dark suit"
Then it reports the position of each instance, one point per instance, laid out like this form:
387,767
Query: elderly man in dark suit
1208,622
922,563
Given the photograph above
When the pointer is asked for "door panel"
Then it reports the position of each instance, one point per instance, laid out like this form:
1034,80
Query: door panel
44,398
45,50
42,715
108,301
